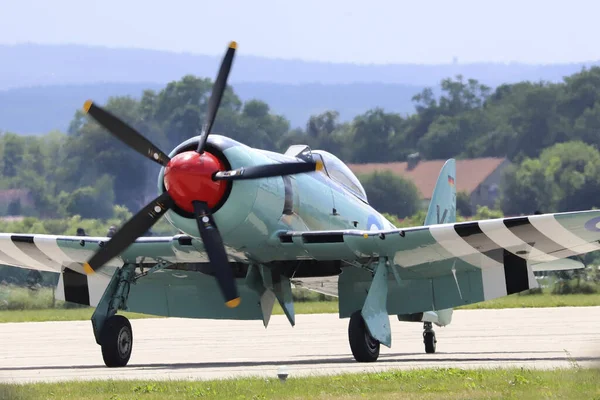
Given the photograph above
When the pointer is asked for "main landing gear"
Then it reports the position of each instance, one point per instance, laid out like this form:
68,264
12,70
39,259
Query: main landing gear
364,347
116,341
429,337
113,332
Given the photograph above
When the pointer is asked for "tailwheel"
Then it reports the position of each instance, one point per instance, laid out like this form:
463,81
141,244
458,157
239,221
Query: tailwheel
364,347
429,338
116,341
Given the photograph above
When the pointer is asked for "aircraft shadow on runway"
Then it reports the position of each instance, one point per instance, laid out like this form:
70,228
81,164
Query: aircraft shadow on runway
387,358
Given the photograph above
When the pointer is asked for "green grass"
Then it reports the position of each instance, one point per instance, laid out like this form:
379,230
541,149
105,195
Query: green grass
77,314
57,314
538,300
315,307
19,298
444,384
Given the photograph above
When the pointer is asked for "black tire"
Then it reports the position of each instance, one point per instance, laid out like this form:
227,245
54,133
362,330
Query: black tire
116,341
430,341
364,347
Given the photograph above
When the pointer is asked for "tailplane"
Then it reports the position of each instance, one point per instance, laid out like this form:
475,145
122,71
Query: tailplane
442,209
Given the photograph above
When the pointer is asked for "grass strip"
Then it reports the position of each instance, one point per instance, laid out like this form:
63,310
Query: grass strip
447,383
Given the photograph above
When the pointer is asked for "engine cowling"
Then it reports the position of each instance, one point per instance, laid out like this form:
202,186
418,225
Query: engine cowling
189,177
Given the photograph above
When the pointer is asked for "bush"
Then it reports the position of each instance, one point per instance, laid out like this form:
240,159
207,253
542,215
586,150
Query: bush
92,202
304,295
585,288
391,193
567,287
19,298
463,204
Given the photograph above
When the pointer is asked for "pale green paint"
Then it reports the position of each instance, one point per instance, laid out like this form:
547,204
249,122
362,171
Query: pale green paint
410,296
575,223
444,197
104,309
188,294
440,317
281,287
442,210
254,280
251,219
253,212
195,295
374,310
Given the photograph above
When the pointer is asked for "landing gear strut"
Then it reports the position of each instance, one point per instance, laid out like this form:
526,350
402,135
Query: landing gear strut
429,338
364,347
113,332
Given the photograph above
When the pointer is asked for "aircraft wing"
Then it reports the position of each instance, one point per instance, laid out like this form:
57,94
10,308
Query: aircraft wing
51,252
541,240
505,250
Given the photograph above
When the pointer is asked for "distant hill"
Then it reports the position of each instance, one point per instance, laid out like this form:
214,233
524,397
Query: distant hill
33,65
38,110
54,80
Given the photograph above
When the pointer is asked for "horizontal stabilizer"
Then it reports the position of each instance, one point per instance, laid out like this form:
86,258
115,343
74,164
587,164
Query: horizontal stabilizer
558,265
439,317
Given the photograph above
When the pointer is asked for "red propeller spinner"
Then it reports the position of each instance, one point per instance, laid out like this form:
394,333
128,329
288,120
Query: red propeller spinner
195,180
188,178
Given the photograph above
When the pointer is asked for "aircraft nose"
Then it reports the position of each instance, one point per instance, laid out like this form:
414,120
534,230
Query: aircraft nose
188,177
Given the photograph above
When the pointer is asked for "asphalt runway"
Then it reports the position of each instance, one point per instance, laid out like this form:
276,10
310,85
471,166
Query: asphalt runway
318,344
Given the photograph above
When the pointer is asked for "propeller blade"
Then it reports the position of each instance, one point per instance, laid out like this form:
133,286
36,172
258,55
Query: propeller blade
213,244
134,228
126,133
266,171
216,95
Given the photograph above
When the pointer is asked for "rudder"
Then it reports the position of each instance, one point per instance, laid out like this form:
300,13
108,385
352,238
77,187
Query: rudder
442,208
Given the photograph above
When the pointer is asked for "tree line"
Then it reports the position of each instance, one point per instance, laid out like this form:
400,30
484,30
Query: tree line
549,131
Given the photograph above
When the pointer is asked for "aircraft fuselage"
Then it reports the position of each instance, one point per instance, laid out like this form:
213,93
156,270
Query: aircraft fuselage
255,211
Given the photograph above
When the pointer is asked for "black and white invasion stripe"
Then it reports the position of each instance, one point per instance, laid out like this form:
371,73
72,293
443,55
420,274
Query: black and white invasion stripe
506,248
42,253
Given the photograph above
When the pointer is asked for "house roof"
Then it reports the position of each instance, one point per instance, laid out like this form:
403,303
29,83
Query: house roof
8,195
469,173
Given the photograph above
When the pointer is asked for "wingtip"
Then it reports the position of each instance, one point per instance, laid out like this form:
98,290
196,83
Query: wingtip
233,45
87,105
233,303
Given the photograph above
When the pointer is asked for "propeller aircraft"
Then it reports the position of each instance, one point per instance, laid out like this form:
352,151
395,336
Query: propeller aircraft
255,222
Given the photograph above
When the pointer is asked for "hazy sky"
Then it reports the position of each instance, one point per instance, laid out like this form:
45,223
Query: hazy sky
363,31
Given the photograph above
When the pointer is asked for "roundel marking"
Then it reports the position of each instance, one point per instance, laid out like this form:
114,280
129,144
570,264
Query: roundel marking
373,223
592,224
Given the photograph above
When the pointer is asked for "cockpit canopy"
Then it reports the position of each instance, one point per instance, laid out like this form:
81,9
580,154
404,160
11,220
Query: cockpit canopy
339,172
334,168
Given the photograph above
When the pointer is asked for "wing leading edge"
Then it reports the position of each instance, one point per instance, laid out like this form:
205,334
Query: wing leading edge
53,253
506,250
538,239
535,238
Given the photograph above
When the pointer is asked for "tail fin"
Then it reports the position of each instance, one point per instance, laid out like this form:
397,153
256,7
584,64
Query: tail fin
442,208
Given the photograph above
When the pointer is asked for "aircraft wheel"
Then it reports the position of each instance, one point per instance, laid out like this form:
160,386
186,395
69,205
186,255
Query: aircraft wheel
116,341
364,347
430,341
